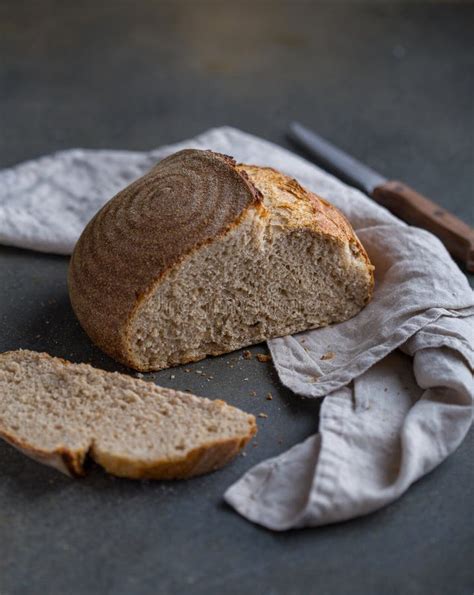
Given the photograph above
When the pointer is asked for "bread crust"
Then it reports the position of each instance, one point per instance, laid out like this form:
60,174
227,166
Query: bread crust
206,458
110,276
322,218
64,460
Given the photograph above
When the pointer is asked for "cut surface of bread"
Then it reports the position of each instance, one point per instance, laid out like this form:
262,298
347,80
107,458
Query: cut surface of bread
60,413
253,256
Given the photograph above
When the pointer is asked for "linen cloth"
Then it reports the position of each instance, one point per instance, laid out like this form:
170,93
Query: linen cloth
397,377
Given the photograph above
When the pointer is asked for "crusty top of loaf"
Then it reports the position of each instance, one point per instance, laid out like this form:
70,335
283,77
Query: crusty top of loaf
188,199
292,206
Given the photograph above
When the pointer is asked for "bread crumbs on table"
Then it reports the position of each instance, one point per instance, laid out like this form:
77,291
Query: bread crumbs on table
247,354
264,415
253,393
187,370
328,355
263,357
269,396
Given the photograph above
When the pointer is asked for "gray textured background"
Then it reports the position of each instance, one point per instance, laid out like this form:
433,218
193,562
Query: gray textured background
393,83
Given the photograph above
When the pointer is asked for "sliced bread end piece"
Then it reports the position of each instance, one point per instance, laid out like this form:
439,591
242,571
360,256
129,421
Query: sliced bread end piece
60,413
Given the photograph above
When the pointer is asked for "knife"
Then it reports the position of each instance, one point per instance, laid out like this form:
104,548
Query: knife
397,197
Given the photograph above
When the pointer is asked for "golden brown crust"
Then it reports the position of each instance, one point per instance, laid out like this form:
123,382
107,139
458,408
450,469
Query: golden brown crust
68,462
146,229
307,210
206,458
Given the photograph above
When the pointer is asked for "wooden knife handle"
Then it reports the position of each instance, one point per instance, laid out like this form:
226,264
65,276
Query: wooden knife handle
416,209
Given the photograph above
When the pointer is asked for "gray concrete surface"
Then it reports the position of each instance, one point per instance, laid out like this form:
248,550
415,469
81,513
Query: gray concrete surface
390,82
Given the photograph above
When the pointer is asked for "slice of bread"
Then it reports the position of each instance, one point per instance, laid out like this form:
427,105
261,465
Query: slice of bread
60,413
202,256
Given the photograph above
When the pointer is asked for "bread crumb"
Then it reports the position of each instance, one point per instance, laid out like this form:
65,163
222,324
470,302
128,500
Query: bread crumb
211,377
328,355
187,370
253,393
198,371
263,357
264,415
247,354
269,396
172,376
243,454
139,375
245,378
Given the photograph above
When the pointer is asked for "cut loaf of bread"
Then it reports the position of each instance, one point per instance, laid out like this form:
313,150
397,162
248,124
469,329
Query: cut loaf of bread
202,256
60,413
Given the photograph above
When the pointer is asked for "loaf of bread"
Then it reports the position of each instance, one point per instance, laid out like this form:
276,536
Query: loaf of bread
61,413
202,256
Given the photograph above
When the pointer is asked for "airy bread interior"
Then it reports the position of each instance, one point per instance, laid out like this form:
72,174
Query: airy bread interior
60,413
273,274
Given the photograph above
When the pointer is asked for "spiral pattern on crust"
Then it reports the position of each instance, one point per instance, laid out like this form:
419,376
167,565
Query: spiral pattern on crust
187,199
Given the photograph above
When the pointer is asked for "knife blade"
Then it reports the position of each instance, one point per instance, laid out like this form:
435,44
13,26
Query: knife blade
397,197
